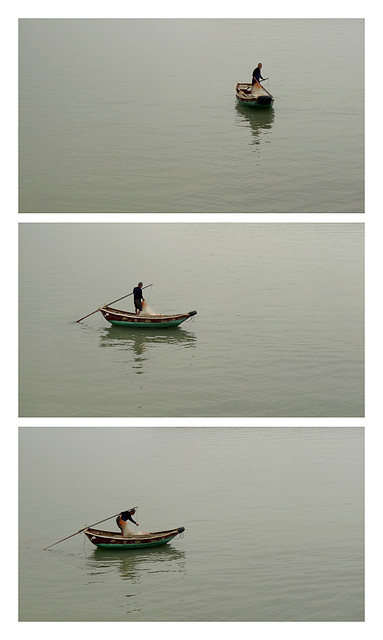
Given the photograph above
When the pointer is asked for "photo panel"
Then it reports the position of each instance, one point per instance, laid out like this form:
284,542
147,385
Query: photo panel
272,320
165,116
225,525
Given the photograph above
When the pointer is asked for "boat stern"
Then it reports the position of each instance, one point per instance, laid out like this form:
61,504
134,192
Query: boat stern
264,101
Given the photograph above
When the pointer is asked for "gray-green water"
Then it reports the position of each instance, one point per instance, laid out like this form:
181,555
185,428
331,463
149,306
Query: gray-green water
273,519
279,330
140,116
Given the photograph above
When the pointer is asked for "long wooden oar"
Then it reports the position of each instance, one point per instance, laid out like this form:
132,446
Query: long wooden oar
87,527
109,303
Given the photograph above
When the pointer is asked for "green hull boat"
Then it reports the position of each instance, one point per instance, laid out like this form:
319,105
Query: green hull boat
112,540
128,319
255,96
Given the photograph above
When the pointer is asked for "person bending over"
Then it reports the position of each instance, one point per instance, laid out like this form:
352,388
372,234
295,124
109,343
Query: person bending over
122,521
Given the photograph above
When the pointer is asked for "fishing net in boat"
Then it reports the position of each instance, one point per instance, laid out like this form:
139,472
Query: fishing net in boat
146,310
127,530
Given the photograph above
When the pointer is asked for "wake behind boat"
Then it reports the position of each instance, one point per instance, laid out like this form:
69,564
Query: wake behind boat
253,96
144,320
114,540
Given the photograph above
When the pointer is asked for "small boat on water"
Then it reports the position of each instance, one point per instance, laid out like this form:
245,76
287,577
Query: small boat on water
114,540
129,319
253,96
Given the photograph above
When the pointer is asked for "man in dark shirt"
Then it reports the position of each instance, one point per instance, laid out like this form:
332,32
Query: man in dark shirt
122,520
138,298
257,74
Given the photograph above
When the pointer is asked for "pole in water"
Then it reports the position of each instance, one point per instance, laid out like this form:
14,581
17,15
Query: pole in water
87,527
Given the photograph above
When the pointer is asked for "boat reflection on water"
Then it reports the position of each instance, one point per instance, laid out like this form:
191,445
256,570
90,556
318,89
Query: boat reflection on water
141,342
131,564
259,120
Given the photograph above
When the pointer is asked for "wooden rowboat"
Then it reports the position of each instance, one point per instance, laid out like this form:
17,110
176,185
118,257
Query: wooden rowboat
253,96
114,540
128,319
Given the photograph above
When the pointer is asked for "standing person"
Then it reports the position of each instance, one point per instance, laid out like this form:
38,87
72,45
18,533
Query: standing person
122,521
257,74
138,298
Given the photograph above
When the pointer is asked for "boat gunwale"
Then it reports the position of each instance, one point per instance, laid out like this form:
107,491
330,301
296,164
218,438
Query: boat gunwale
115,539
144,318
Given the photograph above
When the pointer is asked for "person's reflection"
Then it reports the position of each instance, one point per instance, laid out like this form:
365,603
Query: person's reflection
259,120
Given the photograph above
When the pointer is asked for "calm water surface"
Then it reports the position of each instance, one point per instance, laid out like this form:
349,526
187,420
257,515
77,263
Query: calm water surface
273,519
140,116
279,329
